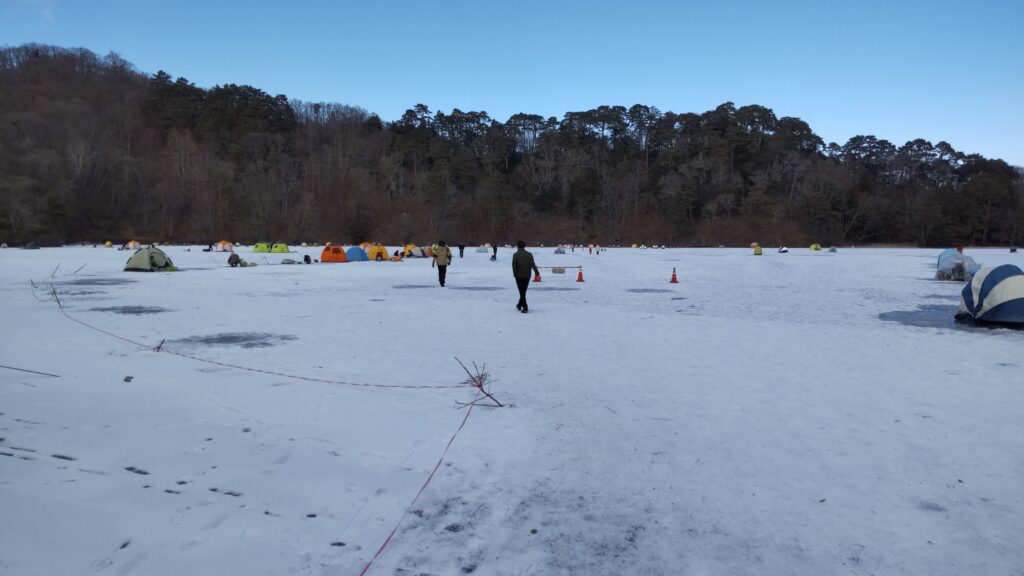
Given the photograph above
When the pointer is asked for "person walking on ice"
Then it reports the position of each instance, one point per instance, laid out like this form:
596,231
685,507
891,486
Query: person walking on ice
442,257
522,265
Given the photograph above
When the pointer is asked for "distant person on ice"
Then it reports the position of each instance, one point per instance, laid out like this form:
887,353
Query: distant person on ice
462,248
442,257
495,246
522,265
234,260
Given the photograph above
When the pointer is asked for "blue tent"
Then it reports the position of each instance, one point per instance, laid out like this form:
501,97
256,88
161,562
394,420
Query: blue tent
356,254
953,265
994,296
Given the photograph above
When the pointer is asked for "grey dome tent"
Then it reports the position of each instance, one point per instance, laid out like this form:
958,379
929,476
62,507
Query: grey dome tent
149,259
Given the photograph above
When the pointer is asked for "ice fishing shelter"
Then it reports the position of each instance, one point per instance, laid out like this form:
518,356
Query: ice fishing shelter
561,249
994,296
356,254
379,253
413,251
30,246
366,246
149,259
333,253
223,246
131,245
482,249
816,247
952,265
261,247
280,248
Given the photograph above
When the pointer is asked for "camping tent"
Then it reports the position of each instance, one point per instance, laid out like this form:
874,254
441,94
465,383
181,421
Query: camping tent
30,246
482,249
365,246
108,244
379,253
131,245
356,254
333,253
260,247
149,259
561,250
816,247
223,246
994,296
953,265
413,251
280,248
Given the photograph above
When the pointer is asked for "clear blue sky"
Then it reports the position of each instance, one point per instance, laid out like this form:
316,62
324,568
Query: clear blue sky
897,69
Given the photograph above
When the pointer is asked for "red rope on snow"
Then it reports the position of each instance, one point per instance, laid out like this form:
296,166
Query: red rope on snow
422,488
246,368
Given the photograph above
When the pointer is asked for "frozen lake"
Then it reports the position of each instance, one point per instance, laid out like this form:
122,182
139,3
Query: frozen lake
800,413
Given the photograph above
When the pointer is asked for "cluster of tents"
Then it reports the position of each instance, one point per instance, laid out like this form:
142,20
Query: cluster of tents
992,296
366,252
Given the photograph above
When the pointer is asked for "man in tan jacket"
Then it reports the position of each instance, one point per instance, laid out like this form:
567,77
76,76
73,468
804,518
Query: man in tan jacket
442,258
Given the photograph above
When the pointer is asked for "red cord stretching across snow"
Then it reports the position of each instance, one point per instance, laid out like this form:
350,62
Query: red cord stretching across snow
422,488
246,368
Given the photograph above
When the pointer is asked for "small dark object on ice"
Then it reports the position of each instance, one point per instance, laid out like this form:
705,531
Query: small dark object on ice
128,378
135,470
337,543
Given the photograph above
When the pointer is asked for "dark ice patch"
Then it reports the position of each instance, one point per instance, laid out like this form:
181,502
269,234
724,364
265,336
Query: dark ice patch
243,339
98,282
133,310
931,506
476,288
648,290
927,316
952,297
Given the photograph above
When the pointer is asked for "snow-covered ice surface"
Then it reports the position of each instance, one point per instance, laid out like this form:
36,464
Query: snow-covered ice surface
801,413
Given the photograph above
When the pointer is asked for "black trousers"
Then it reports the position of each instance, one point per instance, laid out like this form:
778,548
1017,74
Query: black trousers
441,271
522,284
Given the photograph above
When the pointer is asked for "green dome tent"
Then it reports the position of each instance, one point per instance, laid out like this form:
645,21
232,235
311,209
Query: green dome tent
261,247
280,248
149,259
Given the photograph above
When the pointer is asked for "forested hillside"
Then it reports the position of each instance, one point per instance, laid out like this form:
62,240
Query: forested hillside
92,149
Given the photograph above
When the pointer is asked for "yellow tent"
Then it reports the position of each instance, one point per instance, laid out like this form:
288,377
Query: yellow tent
378,253
108,244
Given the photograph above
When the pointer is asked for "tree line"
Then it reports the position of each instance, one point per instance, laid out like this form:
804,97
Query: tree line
91,149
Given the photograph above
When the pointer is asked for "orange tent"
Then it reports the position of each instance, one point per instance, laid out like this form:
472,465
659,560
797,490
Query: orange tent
223,246
379,253
333,254
132,245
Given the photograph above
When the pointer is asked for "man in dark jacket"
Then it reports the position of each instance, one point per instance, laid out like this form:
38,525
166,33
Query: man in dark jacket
522,265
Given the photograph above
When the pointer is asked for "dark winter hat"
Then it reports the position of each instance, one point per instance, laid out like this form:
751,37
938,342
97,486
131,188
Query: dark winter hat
520,244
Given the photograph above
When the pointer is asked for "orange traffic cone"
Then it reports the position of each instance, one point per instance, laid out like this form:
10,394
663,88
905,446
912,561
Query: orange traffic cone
536,277
579,276
673,280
